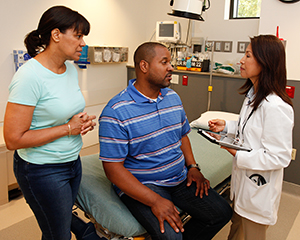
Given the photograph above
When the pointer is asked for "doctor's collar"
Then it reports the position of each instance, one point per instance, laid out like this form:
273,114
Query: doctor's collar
251,94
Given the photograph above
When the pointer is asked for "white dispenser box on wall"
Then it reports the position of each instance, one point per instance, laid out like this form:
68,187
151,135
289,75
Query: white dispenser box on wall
105,54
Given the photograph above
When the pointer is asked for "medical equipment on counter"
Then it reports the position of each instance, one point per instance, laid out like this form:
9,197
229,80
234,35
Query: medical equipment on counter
196,44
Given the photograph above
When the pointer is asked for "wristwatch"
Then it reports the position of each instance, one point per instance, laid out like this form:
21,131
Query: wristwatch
193,166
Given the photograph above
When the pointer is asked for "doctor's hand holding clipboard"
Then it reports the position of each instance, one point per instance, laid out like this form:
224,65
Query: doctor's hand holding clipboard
218,125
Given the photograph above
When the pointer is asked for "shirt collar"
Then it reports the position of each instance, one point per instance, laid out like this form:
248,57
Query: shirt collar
251,94
138,97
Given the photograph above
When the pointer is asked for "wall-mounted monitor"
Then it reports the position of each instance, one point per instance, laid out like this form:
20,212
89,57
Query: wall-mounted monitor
168,31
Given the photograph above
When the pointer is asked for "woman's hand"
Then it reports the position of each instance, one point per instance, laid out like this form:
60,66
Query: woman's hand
81,123
216,125
88,124
76,123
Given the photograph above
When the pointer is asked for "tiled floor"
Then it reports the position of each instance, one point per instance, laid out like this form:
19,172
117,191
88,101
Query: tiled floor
287,227
16,211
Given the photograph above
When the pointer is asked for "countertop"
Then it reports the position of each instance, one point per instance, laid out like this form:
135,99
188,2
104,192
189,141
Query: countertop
202,73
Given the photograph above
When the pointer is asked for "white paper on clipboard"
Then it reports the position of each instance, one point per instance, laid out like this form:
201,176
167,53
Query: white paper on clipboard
222,140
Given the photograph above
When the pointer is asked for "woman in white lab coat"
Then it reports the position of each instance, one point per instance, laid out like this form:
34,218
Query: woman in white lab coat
265,124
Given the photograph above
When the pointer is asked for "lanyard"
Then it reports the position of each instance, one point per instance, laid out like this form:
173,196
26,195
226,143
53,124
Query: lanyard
243,127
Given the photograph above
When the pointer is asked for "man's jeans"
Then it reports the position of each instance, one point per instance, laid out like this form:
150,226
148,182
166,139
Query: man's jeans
209,214
50,190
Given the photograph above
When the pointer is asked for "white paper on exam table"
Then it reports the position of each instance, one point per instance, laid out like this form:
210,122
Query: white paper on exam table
222,140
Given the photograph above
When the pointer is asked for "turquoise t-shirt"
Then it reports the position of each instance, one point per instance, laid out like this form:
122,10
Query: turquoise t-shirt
57,98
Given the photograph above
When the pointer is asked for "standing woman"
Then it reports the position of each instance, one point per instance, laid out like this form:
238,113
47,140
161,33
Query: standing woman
265,124
44,120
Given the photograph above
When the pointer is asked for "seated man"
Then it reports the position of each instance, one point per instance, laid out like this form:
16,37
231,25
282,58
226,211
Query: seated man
147,155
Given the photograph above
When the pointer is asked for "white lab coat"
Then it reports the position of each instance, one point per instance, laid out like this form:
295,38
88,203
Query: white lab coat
269,133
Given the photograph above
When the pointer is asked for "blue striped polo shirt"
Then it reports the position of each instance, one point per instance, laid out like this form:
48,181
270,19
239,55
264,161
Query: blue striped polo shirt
146,135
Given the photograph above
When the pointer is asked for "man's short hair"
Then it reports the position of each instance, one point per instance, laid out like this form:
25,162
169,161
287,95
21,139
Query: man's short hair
146,51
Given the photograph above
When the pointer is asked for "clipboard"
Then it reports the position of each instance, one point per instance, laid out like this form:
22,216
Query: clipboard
222,140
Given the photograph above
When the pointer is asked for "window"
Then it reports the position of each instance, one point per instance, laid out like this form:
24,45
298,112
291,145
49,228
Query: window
241,9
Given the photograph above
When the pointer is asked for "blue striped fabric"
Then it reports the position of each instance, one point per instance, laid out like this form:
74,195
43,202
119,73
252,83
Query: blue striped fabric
146,135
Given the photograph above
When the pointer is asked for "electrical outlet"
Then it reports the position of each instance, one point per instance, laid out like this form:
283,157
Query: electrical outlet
294,151
217,46
241,47
228,46
175,79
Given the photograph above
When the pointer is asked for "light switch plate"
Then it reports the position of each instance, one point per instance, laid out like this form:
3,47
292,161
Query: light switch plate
175,79
294,151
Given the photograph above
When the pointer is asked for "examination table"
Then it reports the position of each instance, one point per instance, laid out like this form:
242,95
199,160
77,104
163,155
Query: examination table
97,198
99,201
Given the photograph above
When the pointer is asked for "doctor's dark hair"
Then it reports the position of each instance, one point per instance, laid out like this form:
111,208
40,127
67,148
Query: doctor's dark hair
146,51
59,17
269,53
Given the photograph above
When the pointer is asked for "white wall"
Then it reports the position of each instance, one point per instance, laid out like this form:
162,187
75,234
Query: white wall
113,22
215,27
125,23
287,17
